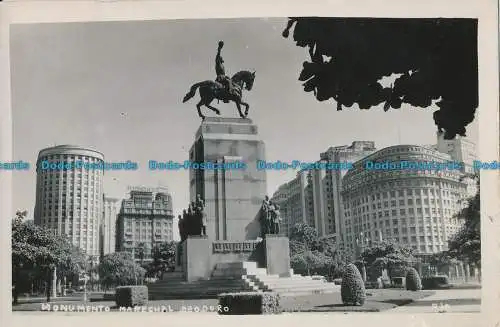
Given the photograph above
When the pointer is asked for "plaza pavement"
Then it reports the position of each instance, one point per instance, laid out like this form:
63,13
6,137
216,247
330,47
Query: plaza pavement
452,300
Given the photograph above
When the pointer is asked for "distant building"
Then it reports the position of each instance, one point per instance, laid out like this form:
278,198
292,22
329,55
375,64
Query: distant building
460,149
69,200
111,209
327,187
293,197
409,207
145,220
313,197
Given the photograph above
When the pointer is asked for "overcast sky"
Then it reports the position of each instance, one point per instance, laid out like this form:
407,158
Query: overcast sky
71,82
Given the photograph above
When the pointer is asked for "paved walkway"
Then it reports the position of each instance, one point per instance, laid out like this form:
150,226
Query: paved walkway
461,300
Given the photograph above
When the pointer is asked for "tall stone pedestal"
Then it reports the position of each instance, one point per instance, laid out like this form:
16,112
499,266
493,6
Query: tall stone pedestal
277,255
233,196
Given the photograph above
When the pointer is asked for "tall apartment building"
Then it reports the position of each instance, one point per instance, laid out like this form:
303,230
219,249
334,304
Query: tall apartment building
411,207
460,149
69,194
145,220
313,197
294,199
111,209
327,187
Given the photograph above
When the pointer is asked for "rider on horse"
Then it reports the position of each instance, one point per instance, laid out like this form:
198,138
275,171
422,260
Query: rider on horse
221,73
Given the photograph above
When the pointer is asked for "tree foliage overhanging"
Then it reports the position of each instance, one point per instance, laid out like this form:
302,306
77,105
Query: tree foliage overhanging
437,60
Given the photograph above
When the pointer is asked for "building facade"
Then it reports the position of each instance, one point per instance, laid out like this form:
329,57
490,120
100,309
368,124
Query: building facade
414,208
69,194
145,221
463,150
326,188
111,209
294,199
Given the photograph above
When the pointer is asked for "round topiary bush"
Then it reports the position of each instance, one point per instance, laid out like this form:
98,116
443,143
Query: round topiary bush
413,282
352,289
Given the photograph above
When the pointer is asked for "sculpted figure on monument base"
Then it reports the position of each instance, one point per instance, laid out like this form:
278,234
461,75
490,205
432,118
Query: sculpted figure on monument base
270,217
194,220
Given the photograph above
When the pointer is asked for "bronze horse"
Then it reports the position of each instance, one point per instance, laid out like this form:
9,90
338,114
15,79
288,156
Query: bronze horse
210,90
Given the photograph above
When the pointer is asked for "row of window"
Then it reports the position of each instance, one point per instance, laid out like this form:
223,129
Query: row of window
401,193
420,182
403,211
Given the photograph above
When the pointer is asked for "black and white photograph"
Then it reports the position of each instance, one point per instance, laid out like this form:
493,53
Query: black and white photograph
247,166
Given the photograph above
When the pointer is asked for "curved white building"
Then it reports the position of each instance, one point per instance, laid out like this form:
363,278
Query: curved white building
413,208
69,196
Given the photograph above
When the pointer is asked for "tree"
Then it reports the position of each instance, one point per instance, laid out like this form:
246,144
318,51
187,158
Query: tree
118,269
312,254
466,244
387,255
39,250
163,258
436,60
305,235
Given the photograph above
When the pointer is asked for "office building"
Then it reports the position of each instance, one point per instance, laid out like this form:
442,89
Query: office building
294,199
327,187
111,209
69,194
413,208
145,221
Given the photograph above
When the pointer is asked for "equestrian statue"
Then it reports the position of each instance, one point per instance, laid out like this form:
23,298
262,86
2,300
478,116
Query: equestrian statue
223,88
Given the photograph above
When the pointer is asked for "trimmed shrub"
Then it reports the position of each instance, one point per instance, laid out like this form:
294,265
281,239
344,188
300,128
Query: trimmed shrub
352,289
413,282
435,282
247,303
131,296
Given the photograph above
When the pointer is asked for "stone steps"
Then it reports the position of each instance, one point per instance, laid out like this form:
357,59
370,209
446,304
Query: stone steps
237,277
203,289
282,284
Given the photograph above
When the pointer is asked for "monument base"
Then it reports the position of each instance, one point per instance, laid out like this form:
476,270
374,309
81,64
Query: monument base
196,258
277,255
200,255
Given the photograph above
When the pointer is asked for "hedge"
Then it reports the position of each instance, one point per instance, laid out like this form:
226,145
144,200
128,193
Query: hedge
246,303
435,282
413,282
352,290
130,296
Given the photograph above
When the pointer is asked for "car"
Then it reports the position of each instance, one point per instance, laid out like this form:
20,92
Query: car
337,281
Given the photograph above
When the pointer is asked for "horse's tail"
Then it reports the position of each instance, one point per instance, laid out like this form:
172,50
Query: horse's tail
191,92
